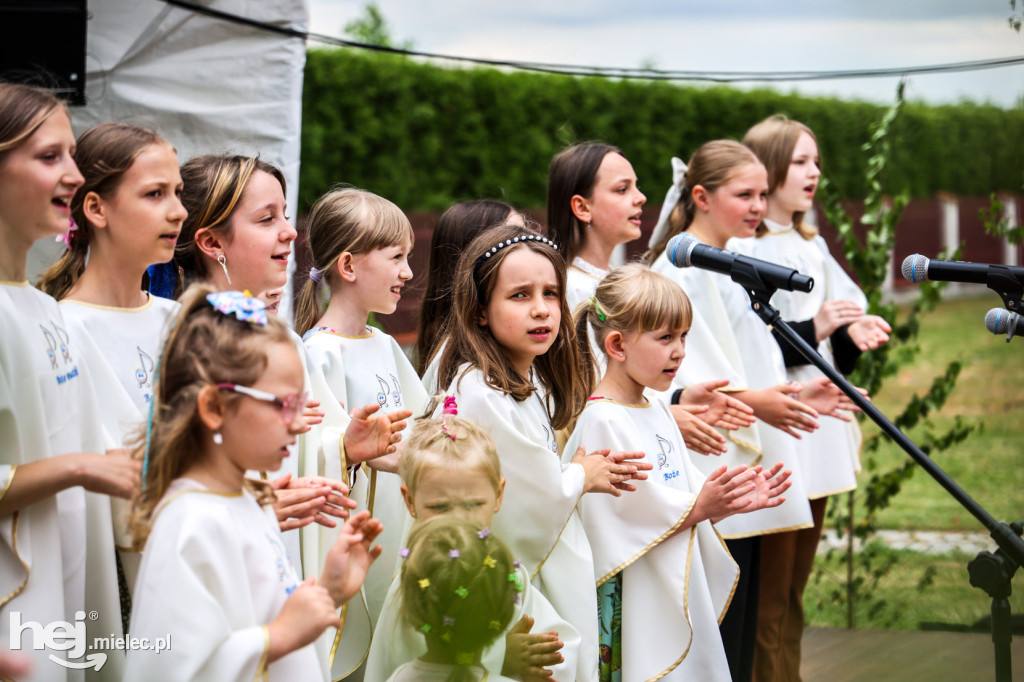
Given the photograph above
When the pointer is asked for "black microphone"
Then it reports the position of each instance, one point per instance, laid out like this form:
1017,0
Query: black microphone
917,268
685,250
1000,321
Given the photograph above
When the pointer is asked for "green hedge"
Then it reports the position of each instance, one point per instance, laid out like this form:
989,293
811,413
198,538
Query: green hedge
426,136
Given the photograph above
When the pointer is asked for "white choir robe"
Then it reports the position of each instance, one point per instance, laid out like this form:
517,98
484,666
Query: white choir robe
122,346
581,282
421,671
728,341
829,457
359,371
675,588
214,572
538,519
56,555
395,643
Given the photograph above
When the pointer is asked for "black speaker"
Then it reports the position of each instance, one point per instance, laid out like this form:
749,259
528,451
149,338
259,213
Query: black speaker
42,42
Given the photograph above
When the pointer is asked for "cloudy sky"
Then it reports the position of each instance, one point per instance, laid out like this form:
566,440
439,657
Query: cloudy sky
725,35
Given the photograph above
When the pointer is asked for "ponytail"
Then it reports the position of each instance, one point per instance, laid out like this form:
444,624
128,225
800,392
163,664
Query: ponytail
62,275
308,307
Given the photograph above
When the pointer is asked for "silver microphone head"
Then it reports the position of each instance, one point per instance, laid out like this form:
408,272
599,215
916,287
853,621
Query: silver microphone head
997,320
680,248
915,268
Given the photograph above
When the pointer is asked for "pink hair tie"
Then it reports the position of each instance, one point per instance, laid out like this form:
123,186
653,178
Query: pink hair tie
66,237
449,406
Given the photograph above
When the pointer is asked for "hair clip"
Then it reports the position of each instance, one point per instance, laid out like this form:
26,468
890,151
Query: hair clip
464,658
517,580
483,532
509,242
445,431
316,275
404,552
448,621
449,406
597,309
66,237
489,561
425,628
453,554
424,583
462,592
244,308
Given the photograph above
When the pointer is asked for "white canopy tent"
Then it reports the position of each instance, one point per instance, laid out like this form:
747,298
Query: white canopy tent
206,84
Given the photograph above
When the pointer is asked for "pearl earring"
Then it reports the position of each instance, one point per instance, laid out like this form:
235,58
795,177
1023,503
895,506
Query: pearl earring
224,265
217,438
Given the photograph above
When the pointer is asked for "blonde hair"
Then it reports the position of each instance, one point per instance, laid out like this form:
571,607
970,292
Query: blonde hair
345,220
630,299
773,140
103,155
559,369
431,446
23,109
204,348
214,185
712,166
459,587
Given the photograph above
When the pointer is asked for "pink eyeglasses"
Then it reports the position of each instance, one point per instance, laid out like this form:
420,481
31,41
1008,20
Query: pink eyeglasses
290,405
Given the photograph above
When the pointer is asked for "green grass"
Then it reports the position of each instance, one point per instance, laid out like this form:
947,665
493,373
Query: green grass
989,392
899,601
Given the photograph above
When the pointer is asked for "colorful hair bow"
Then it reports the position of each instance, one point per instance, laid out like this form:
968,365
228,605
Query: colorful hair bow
245,308
66,237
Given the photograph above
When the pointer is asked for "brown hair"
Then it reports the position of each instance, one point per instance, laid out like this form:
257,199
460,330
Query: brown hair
458,587
773,140
23,109
213,187
573,171
466,341
630,299
103,155
455,229
345,220
712,166
430,446
204,347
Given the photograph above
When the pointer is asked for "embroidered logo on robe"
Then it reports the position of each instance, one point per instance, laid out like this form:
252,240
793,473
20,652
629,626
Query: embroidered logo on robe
664,450
51,346
382,394
57,339
396,394
62,336
284,575
550,434
144,373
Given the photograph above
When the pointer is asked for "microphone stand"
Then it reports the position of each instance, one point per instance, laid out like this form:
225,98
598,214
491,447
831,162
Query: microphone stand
989,571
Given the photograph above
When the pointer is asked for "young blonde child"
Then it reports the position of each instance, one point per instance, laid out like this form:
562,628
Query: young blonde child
832,315
127,216
57,559
215,575
594,206
512,365
460,587
664,576
360,246
449,467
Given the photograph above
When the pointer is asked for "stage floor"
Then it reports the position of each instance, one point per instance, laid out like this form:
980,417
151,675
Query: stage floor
838,655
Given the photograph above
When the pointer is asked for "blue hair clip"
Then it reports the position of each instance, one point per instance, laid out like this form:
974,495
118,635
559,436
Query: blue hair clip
240,304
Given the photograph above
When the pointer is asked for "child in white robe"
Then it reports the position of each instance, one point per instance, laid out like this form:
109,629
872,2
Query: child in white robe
128,215
56,541
832,315
215,579
511,333
594,207
460,587
450,467
722,195
237,235
360,246
664,576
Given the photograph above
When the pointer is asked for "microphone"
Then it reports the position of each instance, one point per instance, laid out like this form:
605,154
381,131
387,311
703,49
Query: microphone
917,268
685,250
999,321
